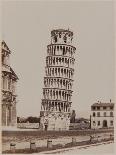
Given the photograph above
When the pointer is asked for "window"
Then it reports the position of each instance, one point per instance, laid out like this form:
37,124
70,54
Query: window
98,108
111,123
93,108
104,108
111,114
98,114
94,123
98,123
93,114
104,114
111,107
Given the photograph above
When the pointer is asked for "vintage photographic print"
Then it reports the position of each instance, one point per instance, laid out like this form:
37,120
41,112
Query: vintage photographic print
57,77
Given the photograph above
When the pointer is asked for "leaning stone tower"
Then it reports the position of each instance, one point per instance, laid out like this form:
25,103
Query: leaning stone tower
57,91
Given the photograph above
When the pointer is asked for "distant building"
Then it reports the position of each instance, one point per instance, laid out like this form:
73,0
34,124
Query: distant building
57,92
9,80
102,115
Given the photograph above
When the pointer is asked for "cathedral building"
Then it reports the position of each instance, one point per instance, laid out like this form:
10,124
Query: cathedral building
56,103
8,83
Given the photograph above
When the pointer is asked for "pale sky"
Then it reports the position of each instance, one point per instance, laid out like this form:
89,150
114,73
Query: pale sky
26,28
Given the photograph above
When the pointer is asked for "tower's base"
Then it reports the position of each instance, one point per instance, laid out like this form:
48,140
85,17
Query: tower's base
54,121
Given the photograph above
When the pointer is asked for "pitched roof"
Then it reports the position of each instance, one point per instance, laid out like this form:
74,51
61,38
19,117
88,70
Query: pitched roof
14,73
4,43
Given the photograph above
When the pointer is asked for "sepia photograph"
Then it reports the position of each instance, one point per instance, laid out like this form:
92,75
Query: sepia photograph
57,77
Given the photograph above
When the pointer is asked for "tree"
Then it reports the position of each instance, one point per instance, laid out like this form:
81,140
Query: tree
73,115
33,119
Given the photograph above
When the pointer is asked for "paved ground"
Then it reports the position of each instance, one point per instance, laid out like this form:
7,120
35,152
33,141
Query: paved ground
103,148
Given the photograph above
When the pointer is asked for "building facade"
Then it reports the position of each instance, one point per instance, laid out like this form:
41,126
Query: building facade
57,91
8,83
102,115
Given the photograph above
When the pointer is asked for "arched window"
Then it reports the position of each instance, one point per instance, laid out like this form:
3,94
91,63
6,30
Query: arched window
61,82
64,82
54,48
60,60
66,49
61,70
54,60
57,60
55,39
60,93
68,86
65,60
58,70
63,50
53,93
67,72
93,114
59,35
58,48
65,39
64,71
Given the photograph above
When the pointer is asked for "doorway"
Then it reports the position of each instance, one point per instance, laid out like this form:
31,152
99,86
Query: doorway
46,127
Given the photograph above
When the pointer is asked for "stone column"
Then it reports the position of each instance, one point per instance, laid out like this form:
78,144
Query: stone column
6,115
10,115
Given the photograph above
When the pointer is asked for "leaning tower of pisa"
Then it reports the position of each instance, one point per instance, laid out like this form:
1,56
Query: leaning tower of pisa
57,91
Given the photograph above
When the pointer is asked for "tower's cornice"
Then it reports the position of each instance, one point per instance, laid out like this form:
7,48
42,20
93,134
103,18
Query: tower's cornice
61,31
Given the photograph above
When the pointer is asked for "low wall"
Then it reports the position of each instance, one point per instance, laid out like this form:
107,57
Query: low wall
28,125
47,134
79,126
